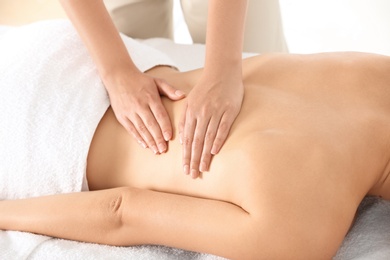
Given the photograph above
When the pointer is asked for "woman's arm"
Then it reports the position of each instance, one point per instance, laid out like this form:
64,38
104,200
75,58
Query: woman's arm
126,216
134,96
215,101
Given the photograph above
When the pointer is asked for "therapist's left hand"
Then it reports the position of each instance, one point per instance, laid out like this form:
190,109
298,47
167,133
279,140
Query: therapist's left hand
211,108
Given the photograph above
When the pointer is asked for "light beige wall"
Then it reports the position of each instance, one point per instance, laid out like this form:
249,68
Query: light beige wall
18,12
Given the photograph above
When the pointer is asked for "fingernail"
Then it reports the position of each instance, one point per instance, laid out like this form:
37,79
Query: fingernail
203,167
180,140
167,136
143,145
214,150
162,147
186,169
194,173
179,93
154,149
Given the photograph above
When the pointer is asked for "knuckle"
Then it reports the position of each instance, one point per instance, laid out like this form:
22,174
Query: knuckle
197,142
190,114
149,95
132,131
205,111
206,157
160,115
136,100
149,140
159,139
149,123
195,162
224,127
228,105
120,117
209,137
218,141
128,127
142,129
186,157
187,141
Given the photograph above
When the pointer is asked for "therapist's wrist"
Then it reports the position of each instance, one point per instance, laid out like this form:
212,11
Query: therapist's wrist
222,73
121,79
118,78
223,65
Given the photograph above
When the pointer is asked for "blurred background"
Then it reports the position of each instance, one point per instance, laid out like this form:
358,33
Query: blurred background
309,25
331,25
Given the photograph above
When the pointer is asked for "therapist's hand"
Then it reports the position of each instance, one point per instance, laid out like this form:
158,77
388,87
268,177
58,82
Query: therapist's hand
136,102
211,108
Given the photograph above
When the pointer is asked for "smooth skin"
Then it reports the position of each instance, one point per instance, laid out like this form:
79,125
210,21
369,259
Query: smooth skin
311,141
210,109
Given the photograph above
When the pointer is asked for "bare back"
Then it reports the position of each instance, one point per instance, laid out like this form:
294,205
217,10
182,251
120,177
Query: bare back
310,142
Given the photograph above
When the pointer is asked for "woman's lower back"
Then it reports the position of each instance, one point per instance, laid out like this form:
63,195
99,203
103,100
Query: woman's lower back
299,113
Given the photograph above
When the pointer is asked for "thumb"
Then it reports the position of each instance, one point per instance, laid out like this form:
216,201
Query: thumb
167,90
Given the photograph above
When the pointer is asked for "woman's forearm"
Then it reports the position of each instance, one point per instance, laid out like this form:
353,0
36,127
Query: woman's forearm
225,33
98,32
128,216
85,216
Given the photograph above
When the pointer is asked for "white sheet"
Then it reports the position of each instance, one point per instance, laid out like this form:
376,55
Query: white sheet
369,238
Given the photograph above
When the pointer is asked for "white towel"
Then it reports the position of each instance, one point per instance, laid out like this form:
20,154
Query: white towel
51,100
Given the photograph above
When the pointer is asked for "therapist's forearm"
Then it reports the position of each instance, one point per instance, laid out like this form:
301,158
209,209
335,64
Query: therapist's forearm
98,32
225,33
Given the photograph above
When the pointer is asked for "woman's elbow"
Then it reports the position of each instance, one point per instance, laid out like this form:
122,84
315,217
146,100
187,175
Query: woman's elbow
115,230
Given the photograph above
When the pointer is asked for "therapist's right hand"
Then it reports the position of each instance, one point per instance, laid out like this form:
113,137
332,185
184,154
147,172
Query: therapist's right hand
136,101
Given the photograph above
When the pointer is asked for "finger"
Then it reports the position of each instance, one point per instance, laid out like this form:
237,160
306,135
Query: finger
181,124
222,133
208,143
188,134
129,127
144,132
197,146
167,90
162,118
155,130
133,131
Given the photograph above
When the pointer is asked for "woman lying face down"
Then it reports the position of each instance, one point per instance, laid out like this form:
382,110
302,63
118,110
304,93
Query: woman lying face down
310,142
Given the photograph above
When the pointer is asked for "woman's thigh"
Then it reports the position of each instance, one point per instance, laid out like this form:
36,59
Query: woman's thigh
142,18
